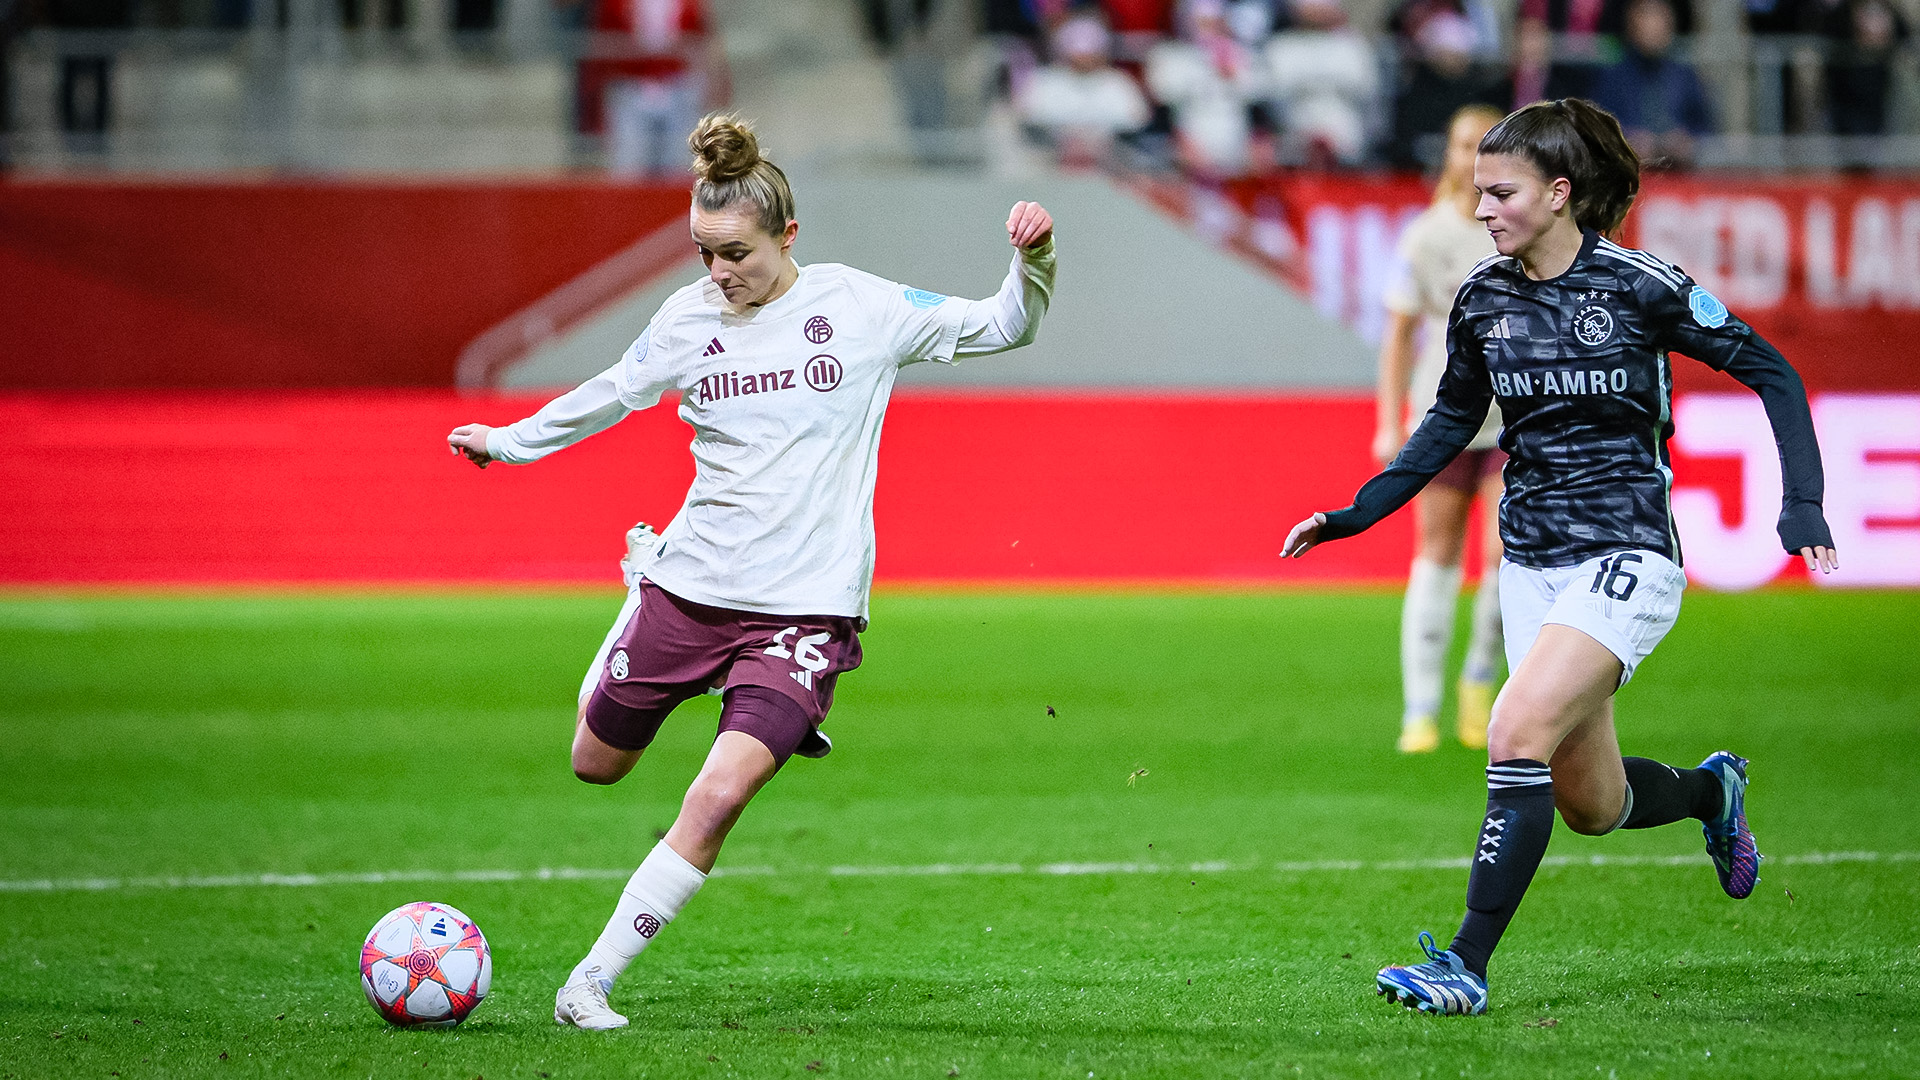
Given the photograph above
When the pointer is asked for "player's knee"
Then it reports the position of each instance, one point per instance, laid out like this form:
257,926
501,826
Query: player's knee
597,772
1580,820
1442,548
715,798
594,764
1516,722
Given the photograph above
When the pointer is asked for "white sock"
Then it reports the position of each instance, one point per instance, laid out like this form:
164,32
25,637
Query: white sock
1426,630
1487,647
654,895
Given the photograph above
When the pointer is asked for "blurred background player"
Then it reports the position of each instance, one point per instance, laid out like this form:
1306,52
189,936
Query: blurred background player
659,66
1570,332
760,583
1437,251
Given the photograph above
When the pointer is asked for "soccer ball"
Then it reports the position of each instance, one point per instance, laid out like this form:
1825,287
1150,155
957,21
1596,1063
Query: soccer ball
425,965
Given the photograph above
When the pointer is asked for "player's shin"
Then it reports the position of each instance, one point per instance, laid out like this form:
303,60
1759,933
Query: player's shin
1486,645
1513,839
1426,630
1662,794
653,897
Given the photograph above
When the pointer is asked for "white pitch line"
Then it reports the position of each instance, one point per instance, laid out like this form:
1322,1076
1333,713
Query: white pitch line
1059,869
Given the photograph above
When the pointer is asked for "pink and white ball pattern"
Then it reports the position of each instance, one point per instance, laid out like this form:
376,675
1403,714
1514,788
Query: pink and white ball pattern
425,965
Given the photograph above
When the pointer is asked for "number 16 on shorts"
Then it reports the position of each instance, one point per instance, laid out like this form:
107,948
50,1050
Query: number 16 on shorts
803,650
1615,576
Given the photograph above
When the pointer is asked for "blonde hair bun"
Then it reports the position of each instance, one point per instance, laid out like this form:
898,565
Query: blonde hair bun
724,148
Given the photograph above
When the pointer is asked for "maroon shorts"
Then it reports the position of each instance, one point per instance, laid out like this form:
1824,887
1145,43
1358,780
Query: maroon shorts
674,649
1471,468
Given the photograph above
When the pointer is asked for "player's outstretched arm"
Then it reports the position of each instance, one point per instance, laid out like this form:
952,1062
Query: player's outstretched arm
1458,411
591,407
1011,317
1803,525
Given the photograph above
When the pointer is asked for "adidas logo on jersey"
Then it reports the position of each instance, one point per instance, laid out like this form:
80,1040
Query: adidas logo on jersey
1501,330
714,348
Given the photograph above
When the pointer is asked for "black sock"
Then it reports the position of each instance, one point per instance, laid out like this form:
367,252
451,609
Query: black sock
1663,794
1513,838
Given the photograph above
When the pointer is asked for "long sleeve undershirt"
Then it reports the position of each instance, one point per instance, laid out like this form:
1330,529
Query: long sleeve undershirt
1011,317
1456,416
1759,367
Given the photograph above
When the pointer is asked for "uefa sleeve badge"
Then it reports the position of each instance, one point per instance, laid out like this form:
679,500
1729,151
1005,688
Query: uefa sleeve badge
1707,309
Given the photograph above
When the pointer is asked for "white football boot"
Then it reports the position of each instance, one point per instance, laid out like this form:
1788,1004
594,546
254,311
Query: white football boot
584,1005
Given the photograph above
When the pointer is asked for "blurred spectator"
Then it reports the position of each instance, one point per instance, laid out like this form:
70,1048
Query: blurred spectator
654,70
1537,76
1797,67
1210,82
1658,99
1443,80
1410,18
1326,83
1138,25
1081,101
1250,21
1587,17
1859,69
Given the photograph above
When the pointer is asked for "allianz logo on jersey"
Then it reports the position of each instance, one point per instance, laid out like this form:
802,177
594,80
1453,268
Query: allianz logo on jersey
1533,383
821,373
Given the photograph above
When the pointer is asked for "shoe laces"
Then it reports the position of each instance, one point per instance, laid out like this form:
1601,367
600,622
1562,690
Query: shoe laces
1434,952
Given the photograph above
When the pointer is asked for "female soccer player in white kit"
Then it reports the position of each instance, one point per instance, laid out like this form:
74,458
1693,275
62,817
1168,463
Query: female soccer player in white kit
1437,251
1571,333
759,585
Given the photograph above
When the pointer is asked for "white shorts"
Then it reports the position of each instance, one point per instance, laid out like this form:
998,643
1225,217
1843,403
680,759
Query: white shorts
1626,601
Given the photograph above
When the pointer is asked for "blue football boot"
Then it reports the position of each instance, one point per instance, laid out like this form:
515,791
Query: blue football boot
1442,985
1735,857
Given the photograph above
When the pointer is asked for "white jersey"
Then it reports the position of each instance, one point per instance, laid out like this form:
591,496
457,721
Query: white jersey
786,402
1437,251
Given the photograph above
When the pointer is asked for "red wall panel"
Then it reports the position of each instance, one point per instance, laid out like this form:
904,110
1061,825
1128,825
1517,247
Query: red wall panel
287,285
359,487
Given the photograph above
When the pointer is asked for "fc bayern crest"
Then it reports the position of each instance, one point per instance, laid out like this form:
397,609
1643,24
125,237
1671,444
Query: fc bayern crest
818,330
1593,326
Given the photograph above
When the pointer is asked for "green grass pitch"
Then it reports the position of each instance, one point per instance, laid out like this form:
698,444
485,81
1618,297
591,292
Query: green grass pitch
1231,904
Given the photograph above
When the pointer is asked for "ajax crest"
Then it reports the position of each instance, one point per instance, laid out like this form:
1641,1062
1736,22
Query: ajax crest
1593,326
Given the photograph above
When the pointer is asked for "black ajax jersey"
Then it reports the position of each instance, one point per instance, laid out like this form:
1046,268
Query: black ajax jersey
1579,367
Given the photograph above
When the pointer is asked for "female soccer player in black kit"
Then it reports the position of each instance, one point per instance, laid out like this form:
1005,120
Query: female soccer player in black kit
1570,333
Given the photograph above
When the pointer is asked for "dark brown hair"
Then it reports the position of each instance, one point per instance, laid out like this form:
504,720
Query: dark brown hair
727,160
1581,141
